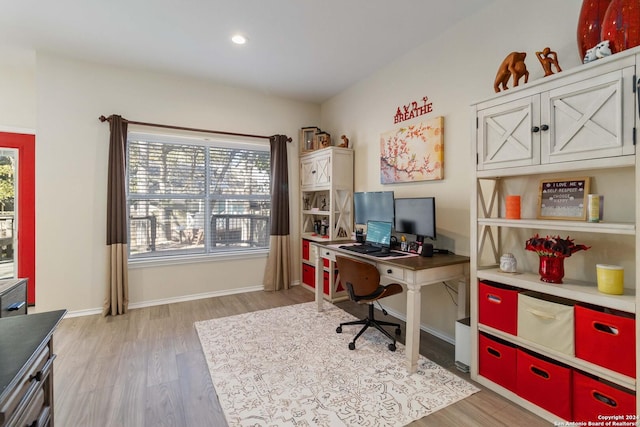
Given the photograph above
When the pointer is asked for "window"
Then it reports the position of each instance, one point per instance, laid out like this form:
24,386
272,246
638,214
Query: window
195,196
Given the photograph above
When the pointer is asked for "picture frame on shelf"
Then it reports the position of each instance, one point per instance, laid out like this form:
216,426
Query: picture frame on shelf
308,139
563,199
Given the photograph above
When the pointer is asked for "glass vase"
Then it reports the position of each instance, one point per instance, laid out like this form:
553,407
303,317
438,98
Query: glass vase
621,25
551,269
590,24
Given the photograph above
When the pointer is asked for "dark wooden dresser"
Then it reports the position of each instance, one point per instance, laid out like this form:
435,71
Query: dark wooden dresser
26,369
13,297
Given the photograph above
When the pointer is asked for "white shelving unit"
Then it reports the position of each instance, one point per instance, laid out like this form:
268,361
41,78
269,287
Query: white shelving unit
326,182
578,122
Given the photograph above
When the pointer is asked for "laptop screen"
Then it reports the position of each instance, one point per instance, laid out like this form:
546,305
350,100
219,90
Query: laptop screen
379,233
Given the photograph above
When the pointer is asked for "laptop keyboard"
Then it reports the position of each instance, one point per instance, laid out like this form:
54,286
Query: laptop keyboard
361,249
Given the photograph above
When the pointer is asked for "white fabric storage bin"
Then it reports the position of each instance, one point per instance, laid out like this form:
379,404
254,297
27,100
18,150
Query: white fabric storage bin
546,320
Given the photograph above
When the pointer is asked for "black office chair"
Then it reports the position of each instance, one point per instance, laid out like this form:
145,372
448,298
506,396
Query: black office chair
362,281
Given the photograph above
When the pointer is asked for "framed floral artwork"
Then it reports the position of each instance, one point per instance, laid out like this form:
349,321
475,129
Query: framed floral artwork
413,153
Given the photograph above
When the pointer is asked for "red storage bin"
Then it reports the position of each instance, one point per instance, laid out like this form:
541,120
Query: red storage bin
309,275
606,339
497,361
335,281
305,250
544,383
498,307
593,398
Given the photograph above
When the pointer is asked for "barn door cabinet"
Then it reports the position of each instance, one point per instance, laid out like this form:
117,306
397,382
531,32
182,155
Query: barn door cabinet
575,115
580,122
326,183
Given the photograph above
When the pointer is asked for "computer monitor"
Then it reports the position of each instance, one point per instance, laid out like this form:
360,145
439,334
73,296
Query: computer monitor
373,206
379,234
416,216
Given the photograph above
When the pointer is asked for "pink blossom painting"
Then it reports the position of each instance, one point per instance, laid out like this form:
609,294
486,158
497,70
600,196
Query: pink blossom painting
413,153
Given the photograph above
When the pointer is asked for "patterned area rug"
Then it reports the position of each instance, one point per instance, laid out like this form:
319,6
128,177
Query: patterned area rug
287,366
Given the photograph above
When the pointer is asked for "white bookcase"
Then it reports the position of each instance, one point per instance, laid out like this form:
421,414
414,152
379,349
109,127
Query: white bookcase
326,183
580,122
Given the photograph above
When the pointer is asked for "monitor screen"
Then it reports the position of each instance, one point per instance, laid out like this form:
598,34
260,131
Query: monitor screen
416,216
379,233
373,206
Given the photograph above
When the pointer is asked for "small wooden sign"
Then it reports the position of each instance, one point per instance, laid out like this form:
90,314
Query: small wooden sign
563,198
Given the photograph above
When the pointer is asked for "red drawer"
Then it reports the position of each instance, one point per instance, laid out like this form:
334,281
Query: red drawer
544,383
497,361
498,307
608,340
325,288
305,250
593,398
335,279
309,275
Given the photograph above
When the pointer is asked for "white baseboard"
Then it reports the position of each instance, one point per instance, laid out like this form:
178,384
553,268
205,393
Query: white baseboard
151,303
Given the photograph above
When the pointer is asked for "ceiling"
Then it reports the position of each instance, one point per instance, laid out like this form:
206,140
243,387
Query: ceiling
308,50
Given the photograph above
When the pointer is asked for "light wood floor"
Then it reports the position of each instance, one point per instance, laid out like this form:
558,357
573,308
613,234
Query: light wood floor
146,368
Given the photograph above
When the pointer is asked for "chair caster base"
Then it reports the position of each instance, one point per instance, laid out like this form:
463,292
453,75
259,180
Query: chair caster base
352,346
392,347
339,329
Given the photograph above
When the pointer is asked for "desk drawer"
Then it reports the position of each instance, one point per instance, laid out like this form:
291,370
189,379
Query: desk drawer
395,273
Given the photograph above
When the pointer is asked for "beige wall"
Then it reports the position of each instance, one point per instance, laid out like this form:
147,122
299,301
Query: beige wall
453,70
71,162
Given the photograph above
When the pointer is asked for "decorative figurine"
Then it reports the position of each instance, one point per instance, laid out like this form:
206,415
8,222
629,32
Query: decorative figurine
590,55
512,65
603,49
324,139
600,50
547,59
508,263
345,142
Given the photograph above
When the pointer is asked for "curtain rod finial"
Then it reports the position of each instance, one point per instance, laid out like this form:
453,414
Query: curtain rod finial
102,119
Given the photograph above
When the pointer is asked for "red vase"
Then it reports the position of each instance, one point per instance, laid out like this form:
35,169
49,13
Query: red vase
621,25
590,24
551,269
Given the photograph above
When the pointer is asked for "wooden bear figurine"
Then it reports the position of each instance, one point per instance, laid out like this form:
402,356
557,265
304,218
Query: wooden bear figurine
513,65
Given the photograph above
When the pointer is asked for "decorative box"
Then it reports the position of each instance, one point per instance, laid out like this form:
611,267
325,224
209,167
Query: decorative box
544,383
606,339
498,306
497,361
546,320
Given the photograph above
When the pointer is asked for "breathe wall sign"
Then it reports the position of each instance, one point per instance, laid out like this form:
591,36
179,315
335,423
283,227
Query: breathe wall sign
413,110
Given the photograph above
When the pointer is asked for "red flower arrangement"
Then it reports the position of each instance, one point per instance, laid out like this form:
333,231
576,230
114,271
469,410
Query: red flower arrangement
553,246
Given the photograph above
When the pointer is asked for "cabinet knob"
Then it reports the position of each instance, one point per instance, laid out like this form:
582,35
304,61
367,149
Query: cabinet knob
313,172
544,127
37,376
535,129
389,271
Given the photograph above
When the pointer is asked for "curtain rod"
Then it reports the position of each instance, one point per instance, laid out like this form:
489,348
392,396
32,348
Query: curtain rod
219,132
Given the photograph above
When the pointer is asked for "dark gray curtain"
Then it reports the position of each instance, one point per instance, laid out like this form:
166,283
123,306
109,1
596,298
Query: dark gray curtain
277,273
117,292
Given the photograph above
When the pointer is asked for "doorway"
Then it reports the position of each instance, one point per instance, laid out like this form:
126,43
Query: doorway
17,209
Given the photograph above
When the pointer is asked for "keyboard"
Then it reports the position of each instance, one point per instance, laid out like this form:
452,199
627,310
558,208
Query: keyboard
361,249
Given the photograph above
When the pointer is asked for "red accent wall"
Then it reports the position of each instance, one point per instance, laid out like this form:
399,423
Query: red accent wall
26,146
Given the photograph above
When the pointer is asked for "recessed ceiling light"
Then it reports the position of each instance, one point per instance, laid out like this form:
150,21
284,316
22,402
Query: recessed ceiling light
239,39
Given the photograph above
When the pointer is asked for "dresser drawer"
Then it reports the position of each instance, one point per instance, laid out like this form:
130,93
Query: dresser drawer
13,297
29,385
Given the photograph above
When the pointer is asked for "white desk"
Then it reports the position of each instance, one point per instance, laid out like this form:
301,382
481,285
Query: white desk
413,273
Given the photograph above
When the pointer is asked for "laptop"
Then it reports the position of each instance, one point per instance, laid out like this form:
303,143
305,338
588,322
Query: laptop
378,238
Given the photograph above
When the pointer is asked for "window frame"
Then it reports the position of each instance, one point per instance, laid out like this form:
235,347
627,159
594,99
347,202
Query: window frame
180,256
